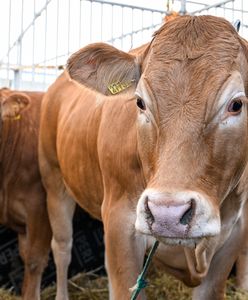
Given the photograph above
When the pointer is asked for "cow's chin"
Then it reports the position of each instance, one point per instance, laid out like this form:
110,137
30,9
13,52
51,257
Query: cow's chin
185,242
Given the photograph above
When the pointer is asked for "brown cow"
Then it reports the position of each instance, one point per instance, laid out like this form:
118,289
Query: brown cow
172,168
22,196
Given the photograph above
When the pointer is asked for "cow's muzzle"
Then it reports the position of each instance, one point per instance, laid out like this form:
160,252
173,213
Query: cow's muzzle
177,216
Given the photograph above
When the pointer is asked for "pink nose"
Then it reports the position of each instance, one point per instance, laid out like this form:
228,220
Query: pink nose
170,220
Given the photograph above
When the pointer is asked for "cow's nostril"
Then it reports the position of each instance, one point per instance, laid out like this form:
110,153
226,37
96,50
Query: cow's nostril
188,215
149,215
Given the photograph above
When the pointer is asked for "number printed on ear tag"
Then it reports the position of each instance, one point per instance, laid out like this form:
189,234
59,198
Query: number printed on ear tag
118,87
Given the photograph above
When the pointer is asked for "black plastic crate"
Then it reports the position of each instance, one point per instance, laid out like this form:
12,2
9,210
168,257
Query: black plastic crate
87,252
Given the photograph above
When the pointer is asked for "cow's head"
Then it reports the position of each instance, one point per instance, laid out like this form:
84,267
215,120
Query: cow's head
12,104
192,103
191,121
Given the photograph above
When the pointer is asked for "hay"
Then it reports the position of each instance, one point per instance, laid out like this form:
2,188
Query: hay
88,286
8,295
161,286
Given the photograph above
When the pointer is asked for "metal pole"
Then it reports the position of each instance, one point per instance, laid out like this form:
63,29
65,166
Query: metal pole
211,6
183,7
132,31
101,21
242,16
91,23
45,48
18,71
69,25
122,27
8,62
80,24
112,23
33,52
57,40
142,25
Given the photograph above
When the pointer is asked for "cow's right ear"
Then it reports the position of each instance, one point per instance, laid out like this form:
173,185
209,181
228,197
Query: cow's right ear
12,106
104,68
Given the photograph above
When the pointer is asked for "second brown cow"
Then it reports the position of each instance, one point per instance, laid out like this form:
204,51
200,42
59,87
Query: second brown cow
22,196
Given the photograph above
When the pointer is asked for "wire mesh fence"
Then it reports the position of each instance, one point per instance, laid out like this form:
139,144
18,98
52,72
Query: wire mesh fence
39,36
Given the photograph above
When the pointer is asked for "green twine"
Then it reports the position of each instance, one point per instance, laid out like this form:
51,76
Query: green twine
141,282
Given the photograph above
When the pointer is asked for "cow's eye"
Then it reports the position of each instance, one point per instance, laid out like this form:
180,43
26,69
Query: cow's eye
141,104
235,107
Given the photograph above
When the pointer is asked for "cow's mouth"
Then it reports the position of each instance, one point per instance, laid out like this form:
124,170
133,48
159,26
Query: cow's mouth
185,242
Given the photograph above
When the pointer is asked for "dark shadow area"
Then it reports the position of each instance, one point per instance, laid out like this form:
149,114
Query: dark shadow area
87,253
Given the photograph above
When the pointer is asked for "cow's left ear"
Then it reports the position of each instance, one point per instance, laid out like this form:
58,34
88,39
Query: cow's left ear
12,106
104,68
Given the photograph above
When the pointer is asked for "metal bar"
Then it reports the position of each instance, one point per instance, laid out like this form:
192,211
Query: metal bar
142,24
25,30
69,24
8,62
57,38
194,2
112,22
80,24
122,27
33,52
236,9
210,6
91,21
183,7
45,47
101,20
126,5
242,16
17,72
134,32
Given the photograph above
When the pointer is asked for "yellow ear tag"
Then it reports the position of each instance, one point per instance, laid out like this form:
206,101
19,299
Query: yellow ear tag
18,117
118,87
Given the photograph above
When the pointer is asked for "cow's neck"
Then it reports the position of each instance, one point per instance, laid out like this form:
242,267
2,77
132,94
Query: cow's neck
8,140
9,152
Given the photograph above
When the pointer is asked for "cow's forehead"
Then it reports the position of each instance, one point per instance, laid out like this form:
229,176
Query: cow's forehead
191,49
191,37
185,67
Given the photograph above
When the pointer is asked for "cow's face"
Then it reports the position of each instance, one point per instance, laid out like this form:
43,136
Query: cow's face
192,128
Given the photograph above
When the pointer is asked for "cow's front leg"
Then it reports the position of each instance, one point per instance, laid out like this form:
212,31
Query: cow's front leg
61,209
125,249
213,285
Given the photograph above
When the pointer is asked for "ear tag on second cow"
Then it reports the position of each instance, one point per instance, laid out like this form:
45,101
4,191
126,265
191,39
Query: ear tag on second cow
118,87
18,117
